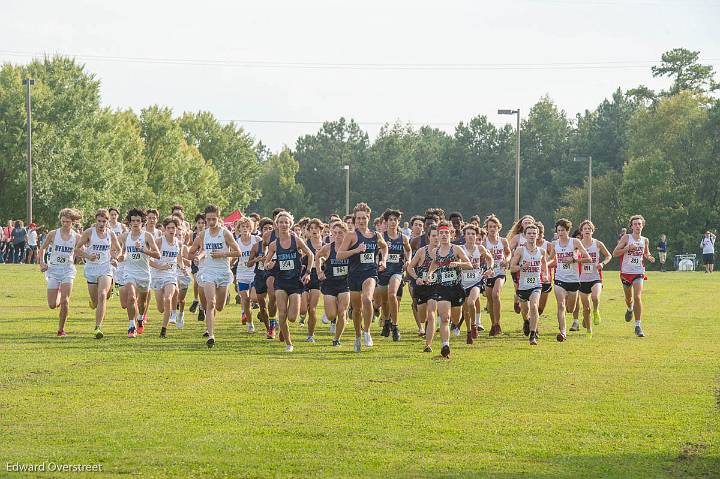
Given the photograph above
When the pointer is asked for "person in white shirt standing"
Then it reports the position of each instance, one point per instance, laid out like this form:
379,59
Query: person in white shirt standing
708,248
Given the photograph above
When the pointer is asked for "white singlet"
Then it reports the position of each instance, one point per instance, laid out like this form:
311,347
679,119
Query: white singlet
632,261
566,265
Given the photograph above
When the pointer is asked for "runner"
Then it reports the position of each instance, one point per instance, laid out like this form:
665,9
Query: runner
290,277
197,231
259,289
529,261
390,281
632,249
473,280
333,275
311,294
214,275
546,274
60,267
425,285
447,260
361,248
591,274
500,251
245,274
118,228
567,252
516,238
167,268
100,248
137,246
183,276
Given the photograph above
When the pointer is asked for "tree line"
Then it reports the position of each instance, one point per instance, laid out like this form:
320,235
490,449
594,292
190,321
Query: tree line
654,152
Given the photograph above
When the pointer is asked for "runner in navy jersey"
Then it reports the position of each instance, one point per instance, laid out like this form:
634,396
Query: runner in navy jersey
361,248
333,275
311,295
390,281
290,278
259,289
199,227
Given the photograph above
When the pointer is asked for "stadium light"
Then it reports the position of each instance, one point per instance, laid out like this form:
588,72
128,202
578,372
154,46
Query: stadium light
347,189
589,160
28,82
517,159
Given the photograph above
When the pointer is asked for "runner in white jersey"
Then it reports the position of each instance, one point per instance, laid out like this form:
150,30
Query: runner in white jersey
568,253
99,248
591,274
632,249
60,268
529,261
245,275
500,250
165,271
516,239
138,246
546,274
184,279
473,280
214,274
118,228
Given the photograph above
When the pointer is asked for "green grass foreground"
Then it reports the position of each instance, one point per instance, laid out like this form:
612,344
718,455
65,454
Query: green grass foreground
610,406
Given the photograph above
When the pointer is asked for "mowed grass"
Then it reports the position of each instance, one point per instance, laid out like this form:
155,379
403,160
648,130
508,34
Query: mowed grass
610,406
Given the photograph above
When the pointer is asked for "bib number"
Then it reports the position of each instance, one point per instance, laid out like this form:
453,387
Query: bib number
566,266
60,260
340,271
430,279
135,256
367,258
287,265
635,260
393,258
260,266
530,281
448,276
588,268
470,276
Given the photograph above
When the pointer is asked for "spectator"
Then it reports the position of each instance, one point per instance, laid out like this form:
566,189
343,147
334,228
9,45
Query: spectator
662,251
621,235
7,230
2,244
32,244
708,246
19,239
406,229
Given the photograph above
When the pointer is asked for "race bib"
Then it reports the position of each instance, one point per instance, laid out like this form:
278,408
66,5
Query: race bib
588,268
530,281
287,265
430,279
448,276
135,256
470,275
393,258
367,258
635,260
58,260
260,266
340,271
566,266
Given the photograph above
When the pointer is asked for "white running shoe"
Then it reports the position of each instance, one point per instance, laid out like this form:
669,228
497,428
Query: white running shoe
289,348
332,328
455,331
251,328
172,318
358,345
310,339
368,339
180,320
325,319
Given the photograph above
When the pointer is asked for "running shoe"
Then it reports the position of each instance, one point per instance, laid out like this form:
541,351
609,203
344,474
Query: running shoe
575,326
358,345
629,315
474,331
91,304
237,299
445,351
336,343
210,342
271,333
385,329
332,328
325,319
244,318
251,328
206,334
180,320
395,333
141,327
480,327
201,315
526,327
427,349
255,306
469,339
533,338
455,330
310,339
588,334
61,334
194,305
98,333
560,337
163,333
289,348
421,332
596,317
132,333
302,321
368,339
493,330
516,307
172,318
639,332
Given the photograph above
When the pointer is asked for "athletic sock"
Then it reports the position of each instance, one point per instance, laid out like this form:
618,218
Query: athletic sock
446,343
132,324
637,323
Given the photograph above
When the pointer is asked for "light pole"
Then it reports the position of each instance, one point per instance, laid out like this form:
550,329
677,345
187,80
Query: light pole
517,159
589,160
347,189
28,140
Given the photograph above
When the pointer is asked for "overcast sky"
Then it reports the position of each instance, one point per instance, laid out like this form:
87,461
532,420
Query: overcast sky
297,62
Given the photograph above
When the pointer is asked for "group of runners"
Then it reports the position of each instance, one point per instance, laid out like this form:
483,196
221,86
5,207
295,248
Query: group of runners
283,268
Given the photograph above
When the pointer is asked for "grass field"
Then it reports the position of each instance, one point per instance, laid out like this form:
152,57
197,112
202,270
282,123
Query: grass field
610,406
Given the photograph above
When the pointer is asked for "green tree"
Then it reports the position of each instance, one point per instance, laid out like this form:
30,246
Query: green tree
682,65
279,188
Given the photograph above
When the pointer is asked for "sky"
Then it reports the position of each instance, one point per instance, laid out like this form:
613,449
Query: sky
281,68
